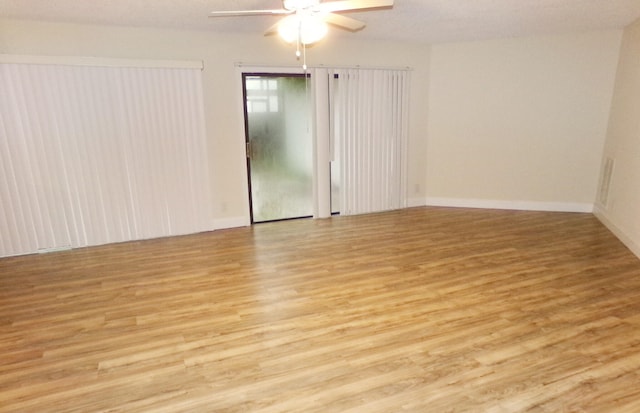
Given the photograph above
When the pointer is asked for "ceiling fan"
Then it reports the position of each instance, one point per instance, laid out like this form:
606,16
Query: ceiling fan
306,20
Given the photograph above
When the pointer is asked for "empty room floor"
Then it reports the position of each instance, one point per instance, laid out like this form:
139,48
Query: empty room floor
417,310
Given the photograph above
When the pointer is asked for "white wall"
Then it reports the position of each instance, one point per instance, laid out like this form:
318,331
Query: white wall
521,122
502,123
622,211
222,91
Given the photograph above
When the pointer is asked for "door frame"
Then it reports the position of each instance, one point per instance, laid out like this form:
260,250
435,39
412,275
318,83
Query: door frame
239,141
318,85
247,141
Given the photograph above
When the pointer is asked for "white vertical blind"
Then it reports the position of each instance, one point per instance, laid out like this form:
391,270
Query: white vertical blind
321,153
371,116
93,155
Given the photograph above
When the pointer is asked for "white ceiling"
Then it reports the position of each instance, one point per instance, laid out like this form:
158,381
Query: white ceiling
427,21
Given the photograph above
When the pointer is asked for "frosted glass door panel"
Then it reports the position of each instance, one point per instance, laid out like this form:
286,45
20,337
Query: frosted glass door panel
279,147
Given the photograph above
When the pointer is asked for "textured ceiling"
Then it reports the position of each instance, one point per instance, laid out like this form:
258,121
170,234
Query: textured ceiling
426,21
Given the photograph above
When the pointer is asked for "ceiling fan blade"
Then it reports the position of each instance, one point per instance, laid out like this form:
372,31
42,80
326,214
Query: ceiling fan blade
344,22
271,30
230,13
345,5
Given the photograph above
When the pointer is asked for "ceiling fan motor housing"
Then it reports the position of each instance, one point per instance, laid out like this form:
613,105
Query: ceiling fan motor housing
299,4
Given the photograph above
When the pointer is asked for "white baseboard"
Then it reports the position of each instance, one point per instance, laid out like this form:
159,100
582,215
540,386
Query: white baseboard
54,249
515,205
416,202
233,222
622,236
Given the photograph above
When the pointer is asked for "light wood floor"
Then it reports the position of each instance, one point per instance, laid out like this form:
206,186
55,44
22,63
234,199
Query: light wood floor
420,310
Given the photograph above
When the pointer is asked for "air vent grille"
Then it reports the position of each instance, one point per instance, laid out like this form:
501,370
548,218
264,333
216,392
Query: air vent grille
605,181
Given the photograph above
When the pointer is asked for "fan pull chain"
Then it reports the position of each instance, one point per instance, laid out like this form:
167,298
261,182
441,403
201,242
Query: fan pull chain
304,57
304,46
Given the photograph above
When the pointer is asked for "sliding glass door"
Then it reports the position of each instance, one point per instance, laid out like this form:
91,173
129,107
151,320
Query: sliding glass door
279,146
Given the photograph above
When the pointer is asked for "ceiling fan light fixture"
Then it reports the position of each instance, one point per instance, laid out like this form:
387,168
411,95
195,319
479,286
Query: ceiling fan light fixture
305,28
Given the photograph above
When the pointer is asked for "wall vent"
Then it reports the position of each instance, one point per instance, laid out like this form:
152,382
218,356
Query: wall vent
605,181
